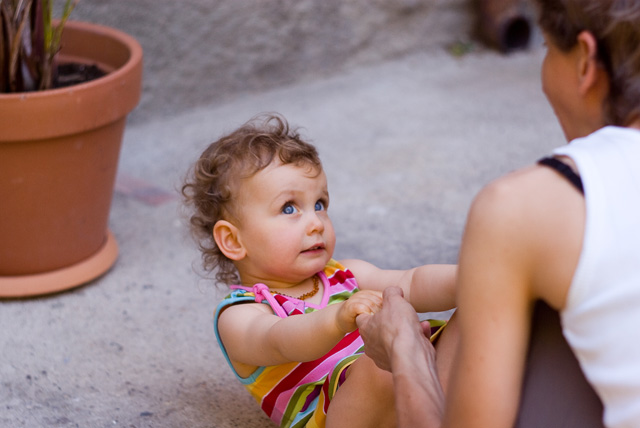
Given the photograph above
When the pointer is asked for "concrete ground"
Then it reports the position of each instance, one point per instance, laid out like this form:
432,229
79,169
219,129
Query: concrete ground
406,145
198,52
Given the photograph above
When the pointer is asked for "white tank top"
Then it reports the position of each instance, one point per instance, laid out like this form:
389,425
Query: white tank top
601,320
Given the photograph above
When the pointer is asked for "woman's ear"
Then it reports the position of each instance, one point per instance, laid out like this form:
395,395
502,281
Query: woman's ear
227,238
590,71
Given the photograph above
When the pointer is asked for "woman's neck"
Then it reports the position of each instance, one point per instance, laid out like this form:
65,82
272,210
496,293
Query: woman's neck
635,124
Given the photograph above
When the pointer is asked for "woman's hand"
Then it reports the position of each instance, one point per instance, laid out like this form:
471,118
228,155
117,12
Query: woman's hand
396,320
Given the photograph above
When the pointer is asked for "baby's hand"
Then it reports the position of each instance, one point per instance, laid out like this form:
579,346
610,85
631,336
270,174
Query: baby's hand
363,302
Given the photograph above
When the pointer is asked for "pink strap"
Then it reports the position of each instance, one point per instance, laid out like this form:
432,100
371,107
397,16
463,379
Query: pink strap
261,292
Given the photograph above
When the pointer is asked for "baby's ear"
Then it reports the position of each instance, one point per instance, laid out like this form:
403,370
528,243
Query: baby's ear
228,240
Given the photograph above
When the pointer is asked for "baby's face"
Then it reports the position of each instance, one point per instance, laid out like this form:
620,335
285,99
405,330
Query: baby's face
284,224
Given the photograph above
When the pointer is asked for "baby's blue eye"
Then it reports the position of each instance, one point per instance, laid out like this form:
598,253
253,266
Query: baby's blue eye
289,209
320,206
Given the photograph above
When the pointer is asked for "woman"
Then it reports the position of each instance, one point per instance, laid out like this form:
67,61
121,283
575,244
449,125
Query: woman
534,235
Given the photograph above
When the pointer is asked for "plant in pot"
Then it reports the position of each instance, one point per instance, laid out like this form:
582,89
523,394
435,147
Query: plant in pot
60,138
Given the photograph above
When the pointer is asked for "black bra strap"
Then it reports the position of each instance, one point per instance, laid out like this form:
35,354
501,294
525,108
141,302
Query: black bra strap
564,170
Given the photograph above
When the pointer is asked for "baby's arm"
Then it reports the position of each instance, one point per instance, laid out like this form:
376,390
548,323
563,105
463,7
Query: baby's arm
253,335
429,288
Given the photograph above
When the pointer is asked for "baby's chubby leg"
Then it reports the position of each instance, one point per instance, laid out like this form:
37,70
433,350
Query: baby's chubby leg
365,399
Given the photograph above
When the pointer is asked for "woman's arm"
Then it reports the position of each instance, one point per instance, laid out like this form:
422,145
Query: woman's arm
396,341
522,243
494,309
494,306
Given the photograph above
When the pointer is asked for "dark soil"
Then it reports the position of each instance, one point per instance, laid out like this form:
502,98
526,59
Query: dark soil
73,74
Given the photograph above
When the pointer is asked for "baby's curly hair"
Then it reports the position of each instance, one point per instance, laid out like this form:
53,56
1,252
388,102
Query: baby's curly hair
212,183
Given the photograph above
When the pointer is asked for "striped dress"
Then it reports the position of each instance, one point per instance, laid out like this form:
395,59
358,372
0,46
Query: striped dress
298,394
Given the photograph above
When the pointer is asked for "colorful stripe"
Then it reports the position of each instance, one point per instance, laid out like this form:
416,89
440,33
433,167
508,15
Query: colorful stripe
298,394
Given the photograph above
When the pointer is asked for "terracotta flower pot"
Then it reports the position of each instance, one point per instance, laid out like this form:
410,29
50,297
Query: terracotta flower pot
59,153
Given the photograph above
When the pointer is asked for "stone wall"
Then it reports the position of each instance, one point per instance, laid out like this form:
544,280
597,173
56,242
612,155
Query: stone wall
202,52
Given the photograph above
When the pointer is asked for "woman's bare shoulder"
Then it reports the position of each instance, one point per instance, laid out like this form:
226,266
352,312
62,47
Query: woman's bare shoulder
543,216
531,191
